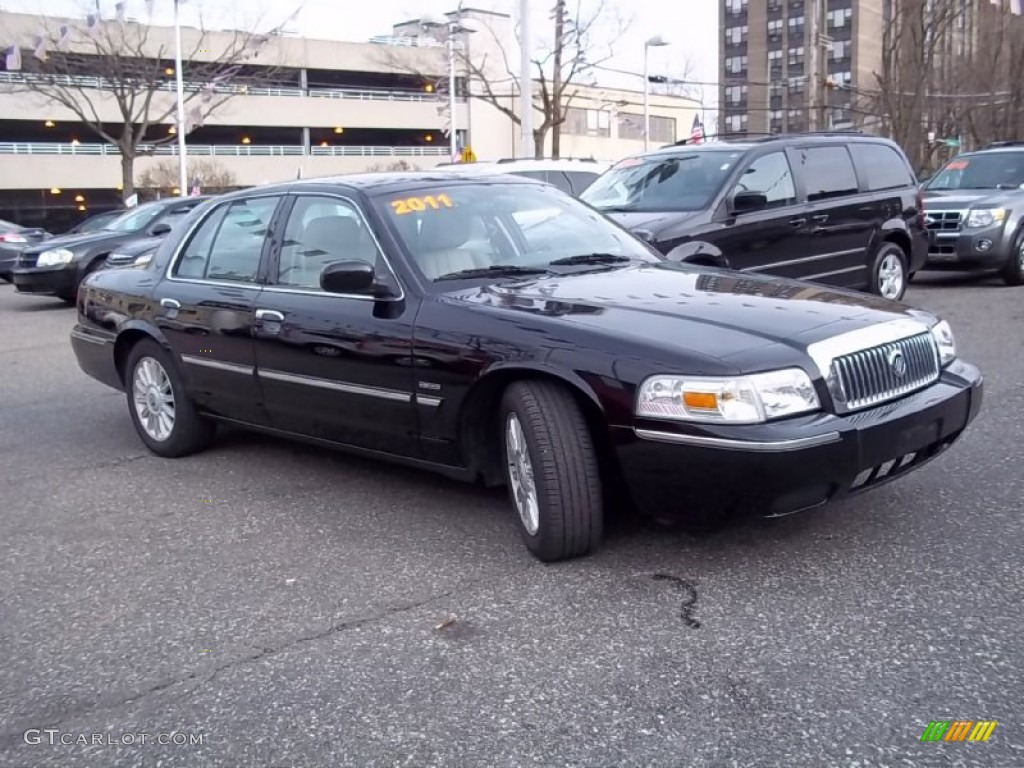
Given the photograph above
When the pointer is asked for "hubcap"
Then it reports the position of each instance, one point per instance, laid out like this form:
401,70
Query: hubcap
890,277
1020,258
520,472
154,399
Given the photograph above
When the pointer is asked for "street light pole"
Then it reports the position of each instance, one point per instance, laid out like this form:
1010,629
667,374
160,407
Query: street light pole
180,85
654,42
452,135
525,81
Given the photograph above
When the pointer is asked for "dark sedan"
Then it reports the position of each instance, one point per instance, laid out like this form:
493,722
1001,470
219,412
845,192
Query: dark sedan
13,239
499,330
57,267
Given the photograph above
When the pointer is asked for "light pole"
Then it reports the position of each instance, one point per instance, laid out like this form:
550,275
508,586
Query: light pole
454,27
180,86
525,81
655,42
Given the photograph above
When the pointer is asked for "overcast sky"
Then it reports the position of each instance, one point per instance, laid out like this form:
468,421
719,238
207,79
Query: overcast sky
690,25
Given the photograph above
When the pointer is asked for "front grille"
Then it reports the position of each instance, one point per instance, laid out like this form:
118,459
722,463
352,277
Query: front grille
27,259
943,221
872,376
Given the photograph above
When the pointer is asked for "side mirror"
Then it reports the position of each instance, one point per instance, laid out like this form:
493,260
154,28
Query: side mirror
348,277
745,202
161,229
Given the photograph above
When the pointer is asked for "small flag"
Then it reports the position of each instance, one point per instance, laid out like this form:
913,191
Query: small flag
13,58
697,131
65,35
196,187
41,45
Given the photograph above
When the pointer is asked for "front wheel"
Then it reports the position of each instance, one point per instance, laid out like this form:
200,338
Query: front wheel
1013,271
889,272
164,417
552,471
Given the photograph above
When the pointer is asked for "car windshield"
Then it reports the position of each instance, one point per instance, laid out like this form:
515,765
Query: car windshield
678,182
98,222
499,226
136,219
998,170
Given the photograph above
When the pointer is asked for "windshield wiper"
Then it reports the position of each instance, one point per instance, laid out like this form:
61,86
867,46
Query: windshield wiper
590,258
495,270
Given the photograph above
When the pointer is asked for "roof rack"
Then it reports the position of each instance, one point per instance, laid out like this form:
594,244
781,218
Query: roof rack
761,137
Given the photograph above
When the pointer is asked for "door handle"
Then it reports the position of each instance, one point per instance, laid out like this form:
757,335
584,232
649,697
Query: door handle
819,218
797,222
170,303
270,315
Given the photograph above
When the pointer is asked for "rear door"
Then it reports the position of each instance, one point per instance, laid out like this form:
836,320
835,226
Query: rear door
206,305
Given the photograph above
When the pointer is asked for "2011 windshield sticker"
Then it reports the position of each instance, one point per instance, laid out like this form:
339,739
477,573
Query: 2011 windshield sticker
416,204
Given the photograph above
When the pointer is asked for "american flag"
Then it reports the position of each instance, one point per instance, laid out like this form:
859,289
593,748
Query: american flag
196,187
697,131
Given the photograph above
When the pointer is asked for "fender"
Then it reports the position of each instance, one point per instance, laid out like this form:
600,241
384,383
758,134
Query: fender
698,252
144,326
503,368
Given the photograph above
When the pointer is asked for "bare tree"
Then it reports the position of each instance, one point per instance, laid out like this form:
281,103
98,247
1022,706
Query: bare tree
584,36
127,66
162,178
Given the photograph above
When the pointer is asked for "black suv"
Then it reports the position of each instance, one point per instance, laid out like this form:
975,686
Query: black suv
974,210
837,208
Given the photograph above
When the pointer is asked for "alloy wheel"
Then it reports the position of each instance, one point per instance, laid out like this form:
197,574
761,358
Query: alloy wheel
153,397
520,472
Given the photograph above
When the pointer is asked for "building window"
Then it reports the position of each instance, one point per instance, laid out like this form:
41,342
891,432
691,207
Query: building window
840,18
587,122
736,35
735,7
841,50
736,64
796,85
775,59
775,27
774,5
795,23
662,129
735,94
775,90
736,123
796,55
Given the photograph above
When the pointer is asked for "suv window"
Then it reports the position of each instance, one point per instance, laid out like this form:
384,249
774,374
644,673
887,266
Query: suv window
771,176
881,166
229,243
828,172
321,231
555,178
580,180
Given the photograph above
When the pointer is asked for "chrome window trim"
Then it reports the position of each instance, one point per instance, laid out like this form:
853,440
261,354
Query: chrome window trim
758,446
338,386
218,365
805,260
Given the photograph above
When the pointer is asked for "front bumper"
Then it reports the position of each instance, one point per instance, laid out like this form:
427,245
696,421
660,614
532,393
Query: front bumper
47,281
784,467
8,258
985,248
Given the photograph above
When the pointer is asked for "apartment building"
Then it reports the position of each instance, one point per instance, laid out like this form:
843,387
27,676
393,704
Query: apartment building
330,107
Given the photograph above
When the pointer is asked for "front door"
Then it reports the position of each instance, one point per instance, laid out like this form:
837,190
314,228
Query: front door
206,307
769,239
336,367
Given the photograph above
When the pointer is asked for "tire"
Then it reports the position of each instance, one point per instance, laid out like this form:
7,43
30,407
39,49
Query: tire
150,371
563,516
1013,271
889,272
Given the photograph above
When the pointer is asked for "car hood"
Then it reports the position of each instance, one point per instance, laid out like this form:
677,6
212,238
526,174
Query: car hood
83,241
136,246
959,199
711,312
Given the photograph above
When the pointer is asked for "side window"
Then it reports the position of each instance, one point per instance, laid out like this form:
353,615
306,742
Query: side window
882,167
229,243
828,172
580,180
772,177
560,180
321,231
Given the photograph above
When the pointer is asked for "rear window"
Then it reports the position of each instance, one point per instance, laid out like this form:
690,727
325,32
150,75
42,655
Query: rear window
881,166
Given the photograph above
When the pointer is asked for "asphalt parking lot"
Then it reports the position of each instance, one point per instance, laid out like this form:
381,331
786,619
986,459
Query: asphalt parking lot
290,607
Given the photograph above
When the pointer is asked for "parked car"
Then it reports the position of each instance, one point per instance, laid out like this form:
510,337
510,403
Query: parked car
414,317
974,210
95,222
570,176
134,253
14,238
837,208
57,267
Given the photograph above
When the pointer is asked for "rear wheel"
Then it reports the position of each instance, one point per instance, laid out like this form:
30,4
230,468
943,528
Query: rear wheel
1013,271
552,471
889,272
164,417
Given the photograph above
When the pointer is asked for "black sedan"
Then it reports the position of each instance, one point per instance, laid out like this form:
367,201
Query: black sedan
57,267
13,239
498,330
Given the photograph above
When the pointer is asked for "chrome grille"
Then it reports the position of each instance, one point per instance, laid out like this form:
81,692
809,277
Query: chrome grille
872,376
943,221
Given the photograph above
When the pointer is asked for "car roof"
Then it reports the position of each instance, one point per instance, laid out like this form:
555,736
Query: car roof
746,144
527,164
381,182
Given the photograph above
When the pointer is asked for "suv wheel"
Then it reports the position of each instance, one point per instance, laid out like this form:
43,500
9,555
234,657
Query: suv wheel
889,272
1013,271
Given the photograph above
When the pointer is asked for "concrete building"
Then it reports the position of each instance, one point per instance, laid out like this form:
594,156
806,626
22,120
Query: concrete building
330,107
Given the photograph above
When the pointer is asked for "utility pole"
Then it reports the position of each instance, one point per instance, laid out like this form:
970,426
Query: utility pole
556,80
525,80
818,46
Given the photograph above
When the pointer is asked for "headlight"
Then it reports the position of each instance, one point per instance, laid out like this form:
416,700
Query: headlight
735,400
985,217
54,257
943,335
143,260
